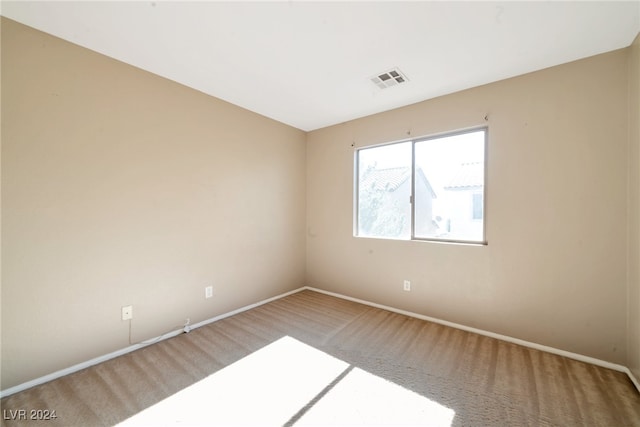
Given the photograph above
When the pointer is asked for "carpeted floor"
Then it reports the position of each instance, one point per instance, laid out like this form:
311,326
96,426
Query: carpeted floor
312,359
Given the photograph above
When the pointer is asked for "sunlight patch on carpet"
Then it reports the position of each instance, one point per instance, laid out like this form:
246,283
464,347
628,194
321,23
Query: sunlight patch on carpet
361,398
289,382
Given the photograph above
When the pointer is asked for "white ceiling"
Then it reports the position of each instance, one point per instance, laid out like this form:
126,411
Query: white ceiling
309,64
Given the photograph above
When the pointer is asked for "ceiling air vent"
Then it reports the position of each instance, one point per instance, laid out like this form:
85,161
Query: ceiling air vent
390,78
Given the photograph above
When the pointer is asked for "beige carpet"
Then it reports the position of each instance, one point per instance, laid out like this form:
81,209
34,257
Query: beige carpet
312,359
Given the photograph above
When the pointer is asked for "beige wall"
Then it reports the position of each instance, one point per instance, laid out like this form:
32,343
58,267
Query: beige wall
120,187
554,271
633,332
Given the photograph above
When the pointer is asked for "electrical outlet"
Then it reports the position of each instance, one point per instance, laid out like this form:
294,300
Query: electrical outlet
127,312
407,285
208,292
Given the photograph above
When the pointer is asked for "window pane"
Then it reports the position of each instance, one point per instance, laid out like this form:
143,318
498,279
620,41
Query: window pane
449,187
384,188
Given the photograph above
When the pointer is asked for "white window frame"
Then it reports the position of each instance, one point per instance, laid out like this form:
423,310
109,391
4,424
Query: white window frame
413,142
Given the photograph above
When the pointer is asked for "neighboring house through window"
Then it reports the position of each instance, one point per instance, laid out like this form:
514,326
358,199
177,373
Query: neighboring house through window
389,190
477,201
466,197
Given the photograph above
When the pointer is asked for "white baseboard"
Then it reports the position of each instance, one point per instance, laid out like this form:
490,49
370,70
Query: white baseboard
247,307
104,358
553,350
633,378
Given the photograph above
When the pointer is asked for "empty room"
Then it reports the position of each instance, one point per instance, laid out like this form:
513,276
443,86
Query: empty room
320,213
